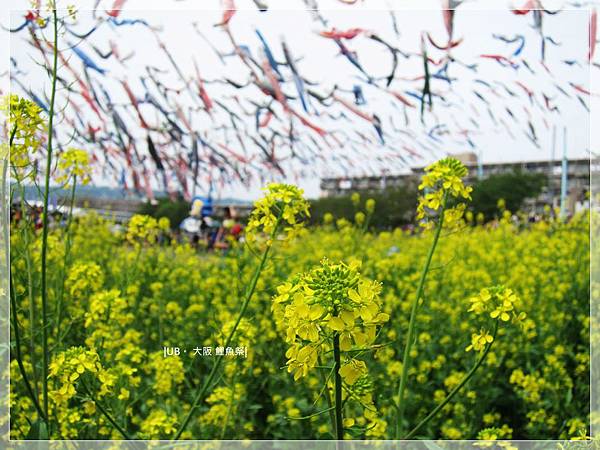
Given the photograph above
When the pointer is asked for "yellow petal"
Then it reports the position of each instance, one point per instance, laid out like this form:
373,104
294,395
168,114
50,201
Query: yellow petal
345,342
353,295
302,310
336,324
360,339
316,311
347,317
365,291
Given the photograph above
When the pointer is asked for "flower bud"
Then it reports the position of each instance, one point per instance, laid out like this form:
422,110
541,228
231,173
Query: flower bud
359,218
370,206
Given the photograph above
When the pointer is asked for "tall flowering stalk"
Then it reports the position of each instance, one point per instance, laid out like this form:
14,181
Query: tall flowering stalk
332,308
441,183
279,211
73,166
44,287
441,207
25,122
494,307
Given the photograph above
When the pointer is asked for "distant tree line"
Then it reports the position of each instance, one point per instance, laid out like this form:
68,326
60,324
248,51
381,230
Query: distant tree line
395,207
514,188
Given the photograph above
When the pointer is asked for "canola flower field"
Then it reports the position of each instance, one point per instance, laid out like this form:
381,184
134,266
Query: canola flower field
460,330
509,300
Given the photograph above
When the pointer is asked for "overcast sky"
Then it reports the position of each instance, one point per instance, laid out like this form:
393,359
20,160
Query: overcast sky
320,62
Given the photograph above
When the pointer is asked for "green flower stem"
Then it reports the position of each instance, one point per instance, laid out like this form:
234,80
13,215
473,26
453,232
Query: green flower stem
339,421
18,355
367,222
105,412
325,380
25,231
454,391
5,204
66,261
5,214
229,408
406,360
312,415
44,287
358,240
5,165
199,397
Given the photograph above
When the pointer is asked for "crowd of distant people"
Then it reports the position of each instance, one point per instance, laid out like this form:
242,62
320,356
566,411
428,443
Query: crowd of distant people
203,230
35,216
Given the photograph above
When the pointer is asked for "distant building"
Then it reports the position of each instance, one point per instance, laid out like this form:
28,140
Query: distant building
578,180
334,187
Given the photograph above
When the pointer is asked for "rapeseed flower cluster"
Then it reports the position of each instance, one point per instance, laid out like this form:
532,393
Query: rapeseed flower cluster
83,279
168,373
68,367
442,183
142,229
498,302
73,164
479,341
25,119
74,372
331,298
280,209
223,404
158,424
